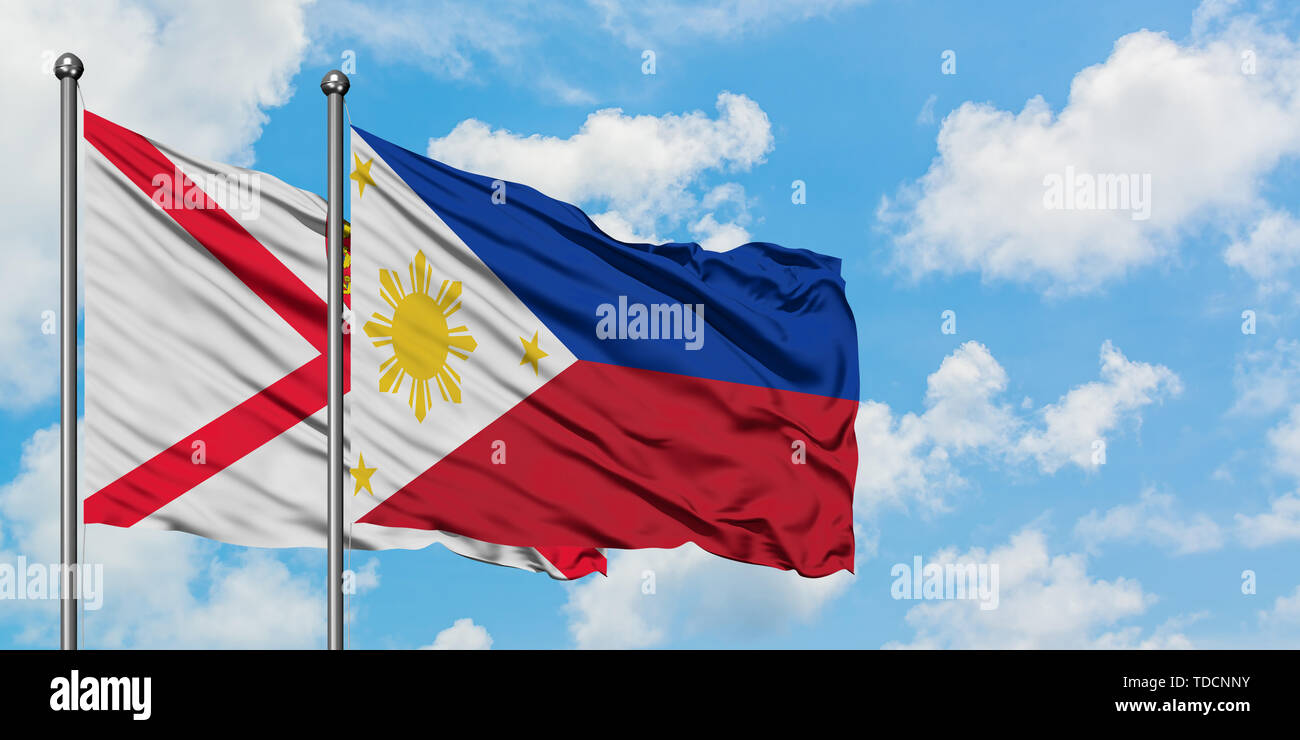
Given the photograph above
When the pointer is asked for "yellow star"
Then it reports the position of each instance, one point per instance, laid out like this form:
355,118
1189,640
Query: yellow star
362,475
532,353
362,175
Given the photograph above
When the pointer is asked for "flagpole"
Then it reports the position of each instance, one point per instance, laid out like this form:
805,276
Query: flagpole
335,85
68,69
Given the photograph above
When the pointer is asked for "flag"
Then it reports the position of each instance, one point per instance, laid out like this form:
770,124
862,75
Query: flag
205,364
519,376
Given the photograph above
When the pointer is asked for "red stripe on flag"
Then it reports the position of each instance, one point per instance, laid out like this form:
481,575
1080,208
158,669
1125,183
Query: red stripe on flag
575,562
610,456
250,261
226,439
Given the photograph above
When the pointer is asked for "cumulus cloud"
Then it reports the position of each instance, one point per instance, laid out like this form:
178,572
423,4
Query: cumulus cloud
1153,519
644,171
1269,252
248,50
1285,611
910,458
1284,440
1046,602
898,463
1267,381
160,589
1091,411
653,596
1156,108
1281,523
463,634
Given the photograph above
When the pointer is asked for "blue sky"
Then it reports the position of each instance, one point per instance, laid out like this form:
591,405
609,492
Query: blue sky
976,446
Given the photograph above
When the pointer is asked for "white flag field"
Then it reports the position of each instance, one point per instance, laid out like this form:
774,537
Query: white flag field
205,366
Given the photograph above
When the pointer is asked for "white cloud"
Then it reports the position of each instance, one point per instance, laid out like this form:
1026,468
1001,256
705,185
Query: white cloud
463,634
614,224
694,593
911,458
1168,635
1280,523
160,589
1091,411
199,79
1267,381
642,169
1285,611
445,37
1151,519
1153,107
671,21
367,576
1046,601
254,601
959,397
718,237
1284,439
1268,252
897,462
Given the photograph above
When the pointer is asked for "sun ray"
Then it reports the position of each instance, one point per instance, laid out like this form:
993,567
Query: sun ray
392,286
445,380
391,380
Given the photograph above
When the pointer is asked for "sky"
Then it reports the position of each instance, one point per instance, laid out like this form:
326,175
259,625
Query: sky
1110,414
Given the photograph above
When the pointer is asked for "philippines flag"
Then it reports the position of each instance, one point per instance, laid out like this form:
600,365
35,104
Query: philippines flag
518,376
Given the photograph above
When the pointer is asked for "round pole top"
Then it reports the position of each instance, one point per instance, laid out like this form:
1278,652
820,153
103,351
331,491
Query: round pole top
68,65
333,82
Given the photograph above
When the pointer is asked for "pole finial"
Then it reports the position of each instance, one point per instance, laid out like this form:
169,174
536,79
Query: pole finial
68,65
335,81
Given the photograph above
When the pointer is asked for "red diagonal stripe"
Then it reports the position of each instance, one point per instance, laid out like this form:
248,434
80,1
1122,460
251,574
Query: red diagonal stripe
250,261
226,439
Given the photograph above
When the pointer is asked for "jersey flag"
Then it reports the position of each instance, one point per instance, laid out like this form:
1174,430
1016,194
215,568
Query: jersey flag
518,376
205,363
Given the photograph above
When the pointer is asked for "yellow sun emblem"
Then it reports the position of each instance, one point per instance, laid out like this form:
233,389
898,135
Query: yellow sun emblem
420,336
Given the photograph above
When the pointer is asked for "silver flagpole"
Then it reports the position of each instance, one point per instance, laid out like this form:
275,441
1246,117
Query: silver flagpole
68,69
335,85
